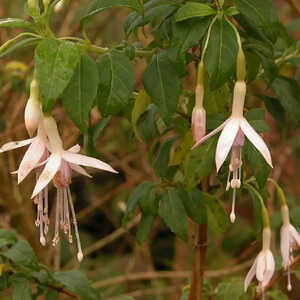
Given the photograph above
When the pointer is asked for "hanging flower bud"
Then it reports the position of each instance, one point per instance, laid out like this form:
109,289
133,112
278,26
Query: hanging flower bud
32,113
199,113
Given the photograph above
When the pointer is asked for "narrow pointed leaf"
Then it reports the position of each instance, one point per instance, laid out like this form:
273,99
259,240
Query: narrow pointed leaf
172,211
79,96
162,84
220,57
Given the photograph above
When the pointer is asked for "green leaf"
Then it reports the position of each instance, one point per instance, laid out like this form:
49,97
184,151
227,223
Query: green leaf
77,282
256,118
79,96
153,10
194,204
15,23
149,202
55,63
274,107
162,84
144,228
146,125
18,45
140,192
100,5
51,295
161,163
22,287
117,81
172,211
200,162
288,92
7,237
141,103
22,254
257,216
233,289
259,166
185,36
259,17
221,54
192,10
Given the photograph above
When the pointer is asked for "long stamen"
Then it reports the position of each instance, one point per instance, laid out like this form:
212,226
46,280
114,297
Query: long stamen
79,253
41,216
232,214
46,210
56,234
289,286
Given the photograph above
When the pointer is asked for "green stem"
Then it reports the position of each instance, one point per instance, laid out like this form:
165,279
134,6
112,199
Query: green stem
264,211
280,192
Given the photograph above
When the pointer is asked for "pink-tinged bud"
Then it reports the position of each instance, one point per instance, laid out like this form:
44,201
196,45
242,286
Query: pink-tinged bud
32,113
198,123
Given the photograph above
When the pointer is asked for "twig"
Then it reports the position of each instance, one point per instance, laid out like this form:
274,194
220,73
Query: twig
295,4
277,276
169,274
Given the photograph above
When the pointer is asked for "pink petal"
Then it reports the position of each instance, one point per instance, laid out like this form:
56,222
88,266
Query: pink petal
270,268
295,235
250,275
218,129
257,141
226,140
14,145
80,170
261,266
48,173
285,245
74,149
30,159
79,159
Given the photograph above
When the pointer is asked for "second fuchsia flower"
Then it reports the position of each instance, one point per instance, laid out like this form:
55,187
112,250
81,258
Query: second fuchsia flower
232,138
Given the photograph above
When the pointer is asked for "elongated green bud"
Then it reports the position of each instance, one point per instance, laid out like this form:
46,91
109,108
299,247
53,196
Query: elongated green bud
241,65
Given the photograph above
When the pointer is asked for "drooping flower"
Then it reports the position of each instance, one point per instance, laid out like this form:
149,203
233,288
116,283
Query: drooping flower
59,168
289,239
232,137
264,265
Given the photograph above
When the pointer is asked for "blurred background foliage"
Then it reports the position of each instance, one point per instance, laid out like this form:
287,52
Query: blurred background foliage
113,256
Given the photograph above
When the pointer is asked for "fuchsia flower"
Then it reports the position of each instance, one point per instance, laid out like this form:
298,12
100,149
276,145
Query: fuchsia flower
264,265
232,137
52,163
59,169
289,239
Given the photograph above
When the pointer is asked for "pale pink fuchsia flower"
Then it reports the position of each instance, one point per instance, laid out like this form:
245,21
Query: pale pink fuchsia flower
232,137
264,265
289,239
33,111
59,169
